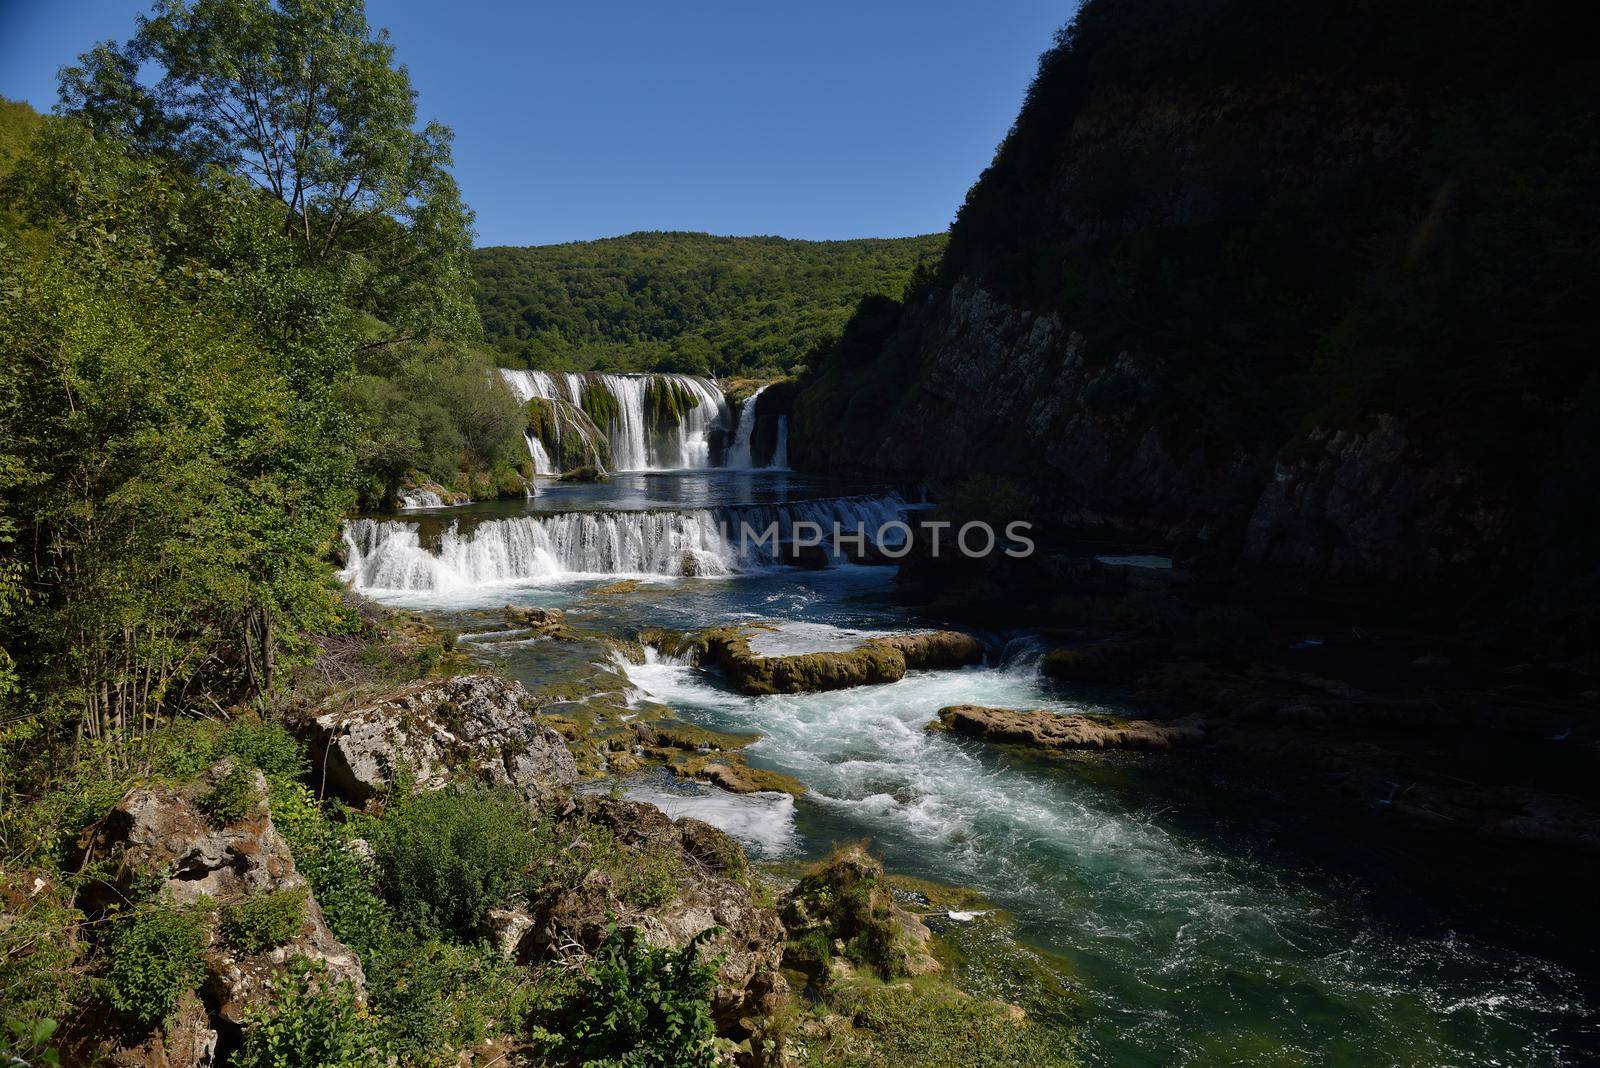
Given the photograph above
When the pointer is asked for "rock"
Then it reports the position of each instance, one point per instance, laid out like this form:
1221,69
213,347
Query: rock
877,660
506,928
187,1041
739,778
161,831
846,905
1103,662
611,588
471,727
529,616
712,894
1055,730
587,473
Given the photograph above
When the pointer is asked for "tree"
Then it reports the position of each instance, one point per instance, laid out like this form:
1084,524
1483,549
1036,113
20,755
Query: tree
300,99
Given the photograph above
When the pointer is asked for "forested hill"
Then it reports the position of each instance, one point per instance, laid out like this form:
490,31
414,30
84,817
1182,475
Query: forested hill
683,301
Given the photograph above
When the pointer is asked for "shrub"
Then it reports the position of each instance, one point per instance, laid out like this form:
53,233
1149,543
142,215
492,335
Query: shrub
266,745
264,921
640,1007
38,949
232,798
153,956
434,995
937,1026
447,857
309,1021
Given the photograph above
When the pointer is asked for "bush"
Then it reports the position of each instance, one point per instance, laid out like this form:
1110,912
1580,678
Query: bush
447,857
640,1007
152,958
264,921
233,797
434,995
265,745
310,1021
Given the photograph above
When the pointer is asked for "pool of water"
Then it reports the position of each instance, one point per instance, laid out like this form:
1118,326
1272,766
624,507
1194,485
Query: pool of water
1185,946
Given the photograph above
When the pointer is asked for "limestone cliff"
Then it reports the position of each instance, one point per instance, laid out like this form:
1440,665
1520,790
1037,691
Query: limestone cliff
1294,288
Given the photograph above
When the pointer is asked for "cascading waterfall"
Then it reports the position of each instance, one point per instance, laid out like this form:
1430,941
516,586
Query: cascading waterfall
633,445
541,458
780,452
390,555
739,451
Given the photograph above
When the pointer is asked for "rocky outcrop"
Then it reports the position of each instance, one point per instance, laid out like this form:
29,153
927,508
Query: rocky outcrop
1043,729
163,833
1244,307
713,892
531,616
844,914
877,660
1102,662
470,728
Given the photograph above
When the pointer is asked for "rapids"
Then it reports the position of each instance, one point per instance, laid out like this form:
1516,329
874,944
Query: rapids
1189,941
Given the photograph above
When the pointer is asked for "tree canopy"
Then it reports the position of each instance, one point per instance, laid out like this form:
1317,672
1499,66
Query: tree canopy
683,301
303,101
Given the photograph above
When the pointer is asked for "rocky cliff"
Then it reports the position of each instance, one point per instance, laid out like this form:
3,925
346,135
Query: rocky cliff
1294,289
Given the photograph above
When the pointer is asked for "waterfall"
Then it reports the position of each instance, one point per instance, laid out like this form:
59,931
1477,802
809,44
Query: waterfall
635,444
780,451
389,554
739,451
541,458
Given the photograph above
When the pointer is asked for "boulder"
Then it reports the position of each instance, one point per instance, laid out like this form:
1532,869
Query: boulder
877,660
713,893
162,831
471,727
529,616
844,913
1108,662
1044,729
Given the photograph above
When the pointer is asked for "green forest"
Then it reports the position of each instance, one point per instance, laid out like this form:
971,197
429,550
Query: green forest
684,302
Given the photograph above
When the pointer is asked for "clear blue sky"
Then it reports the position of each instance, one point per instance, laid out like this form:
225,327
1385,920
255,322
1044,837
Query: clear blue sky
587,119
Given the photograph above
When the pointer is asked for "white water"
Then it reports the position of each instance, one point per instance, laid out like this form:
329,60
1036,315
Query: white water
1188,954
761,822
389,554
739,451
541,458
633,446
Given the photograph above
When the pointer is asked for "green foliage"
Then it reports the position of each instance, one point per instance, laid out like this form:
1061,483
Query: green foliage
640,1007
934,1024
179,477
438,409
18,123
683,302
433,994
234,796
310,1020
39,948
362,189
264,921
153,957
265,745
446,857
25,1043
599,403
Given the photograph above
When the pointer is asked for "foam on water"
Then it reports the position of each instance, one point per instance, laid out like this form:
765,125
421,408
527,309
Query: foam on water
1179,943
761,822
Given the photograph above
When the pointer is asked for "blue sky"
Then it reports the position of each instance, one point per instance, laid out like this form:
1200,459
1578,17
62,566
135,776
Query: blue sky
583,120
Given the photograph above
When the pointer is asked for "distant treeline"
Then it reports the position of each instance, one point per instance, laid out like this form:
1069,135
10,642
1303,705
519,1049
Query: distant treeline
685,302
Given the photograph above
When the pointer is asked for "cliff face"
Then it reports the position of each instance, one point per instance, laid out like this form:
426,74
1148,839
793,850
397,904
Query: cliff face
1297,288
